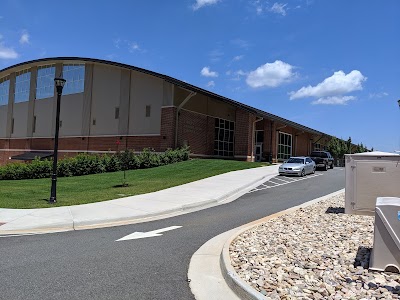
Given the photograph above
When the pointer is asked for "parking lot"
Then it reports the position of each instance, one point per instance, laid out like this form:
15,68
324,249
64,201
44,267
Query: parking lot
283,180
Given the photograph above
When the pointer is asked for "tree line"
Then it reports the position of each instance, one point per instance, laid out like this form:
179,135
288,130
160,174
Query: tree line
338,147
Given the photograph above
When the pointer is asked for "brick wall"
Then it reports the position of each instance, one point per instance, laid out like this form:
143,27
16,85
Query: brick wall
5,155
137,143
268,143
19,144
8,147
197,131
303,142
243,134
168,123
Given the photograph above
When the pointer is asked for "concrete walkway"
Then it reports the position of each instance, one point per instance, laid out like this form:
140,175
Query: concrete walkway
165,203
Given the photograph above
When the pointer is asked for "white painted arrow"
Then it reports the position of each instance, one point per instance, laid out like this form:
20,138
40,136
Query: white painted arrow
142,235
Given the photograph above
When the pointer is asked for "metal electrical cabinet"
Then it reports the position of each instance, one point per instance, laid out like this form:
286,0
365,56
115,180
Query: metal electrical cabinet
368,176
385,255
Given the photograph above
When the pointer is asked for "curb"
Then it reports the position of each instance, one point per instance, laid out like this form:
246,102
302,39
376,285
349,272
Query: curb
237,284
186,208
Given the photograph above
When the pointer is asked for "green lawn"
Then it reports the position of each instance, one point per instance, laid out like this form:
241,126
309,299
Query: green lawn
34,193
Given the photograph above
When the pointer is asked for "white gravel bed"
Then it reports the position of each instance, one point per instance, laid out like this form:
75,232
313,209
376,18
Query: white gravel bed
313,253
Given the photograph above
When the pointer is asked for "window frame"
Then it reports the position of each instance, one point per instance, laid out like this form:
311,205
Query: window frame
74,74
43,79
22,86
284,147
224,137
4,90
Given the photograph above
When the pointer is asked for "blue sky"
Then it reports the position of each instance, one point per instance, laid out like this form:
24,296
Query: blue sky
331,65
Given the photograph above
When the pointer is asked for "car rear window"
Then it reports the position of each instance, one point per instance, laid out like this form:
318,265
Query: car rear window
316,154
319,154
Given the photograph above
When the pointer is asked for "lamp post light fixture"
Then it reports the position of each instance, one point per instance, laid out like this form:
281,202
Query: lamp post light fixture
59,83
398,102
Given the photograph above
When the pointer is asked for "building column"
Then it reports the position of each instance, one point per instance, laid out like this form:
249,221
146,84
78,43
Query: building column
274,142
11,97
124,102
167,131
244,133
31,103
87,100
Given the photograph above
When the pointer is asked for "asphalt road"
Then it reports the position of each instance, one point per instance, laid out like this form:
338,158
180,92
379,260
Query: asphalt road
90,264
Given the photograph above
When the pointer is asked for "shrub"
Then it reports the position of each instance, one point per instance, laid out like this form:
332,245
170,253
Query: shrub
128,160
111,163
39,168
14,171
84,164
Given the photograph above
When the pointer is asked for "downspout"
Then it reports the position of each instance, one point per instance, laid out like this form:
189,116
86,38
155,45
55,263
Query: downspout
177,114
270,145
253,137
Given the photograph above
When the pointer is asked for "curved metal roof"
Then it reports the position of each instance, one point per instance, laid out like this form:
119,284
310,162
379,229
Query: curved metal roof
175,81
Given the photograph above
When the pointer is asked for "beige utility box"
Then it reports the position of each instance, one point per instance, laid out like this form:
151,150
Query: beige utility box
370,175
385,254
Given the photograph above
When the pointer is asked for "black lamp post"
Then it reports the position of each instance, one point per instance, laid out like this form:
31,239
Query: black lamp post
398,101
59,83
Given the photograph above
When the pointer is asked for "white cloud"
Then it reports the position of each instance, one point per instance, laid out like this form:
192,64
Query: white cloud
378,95
236,75
134,47
128,45
270,75
240,43
338,84
206,72
201,3
259,9
334,100
24,39
211,83
7,53
238,57
117,43
278,8
215,55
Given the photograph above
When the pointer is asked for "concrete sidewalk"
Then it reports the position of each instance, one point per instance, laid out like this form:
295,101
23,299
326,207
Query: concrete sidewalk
173,201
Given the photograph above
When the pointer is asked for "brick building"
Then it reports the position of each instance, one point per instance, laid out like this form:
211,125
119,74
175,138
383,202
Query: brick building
104,101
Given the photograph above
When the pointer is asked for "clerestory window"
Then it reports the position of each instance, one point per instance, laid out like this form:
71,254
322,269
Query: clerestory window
4,90
74,74
45,82
22,86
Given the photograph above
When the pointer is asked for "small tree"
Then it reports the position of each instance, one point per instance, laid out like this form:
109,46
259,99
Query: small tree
123,159
348,146
334,147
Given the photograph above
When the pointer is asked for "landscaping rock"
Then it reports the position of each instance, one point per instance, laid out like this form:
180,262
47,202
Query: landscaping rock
313,254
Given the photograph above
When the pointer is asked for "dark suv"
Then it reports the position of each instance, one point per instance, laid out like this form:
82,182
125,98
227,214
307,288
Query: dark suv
323,159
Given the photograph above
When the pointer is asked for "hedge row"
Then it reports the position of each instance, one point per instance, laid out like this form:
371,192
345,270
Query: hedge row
84,164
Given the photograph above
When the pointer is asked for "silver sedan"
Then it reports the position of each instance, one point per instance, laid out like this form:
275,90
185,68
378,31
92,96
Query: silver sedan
300,166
